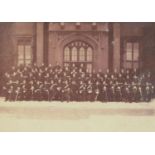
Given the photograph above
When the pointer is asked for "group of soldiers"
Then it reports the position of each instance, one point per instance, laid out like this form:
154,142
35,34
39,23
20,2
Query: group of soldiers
75,83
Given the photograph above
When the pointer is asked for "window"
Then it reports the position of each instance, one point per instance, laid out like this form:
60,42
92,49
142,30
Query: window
89,54
131,54
74,54
67,54
82,54
78,52
24,51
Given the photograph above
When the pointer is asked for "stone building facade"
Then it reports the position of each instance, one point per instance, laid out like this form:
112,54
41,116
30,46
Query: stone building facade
97,45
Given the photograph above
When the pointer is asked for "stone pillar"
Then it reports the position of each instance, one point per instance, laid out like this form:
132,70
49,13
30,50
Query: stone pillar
116,46
39,43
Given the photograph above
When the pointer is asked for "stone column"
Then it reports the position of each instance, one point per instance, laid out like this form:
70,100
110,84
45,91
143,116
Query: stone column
116,46
39,43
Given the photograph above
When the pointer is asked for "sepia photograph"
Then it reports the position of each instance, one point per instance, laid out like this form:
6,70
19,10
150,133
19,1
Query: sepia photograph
77,76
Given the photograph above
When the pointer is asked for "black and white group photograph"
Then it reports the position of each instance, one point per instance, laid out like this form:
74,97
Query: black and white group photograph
77,76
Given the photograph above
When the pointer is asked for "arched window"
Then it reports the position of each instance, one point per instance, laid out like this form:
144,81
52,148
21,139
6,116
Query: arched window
89,54
79,52
74,54
82,54
67,54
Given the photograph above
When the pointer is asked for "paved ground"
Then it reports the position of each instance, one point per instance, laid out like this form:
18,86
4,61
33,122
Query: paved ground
57,116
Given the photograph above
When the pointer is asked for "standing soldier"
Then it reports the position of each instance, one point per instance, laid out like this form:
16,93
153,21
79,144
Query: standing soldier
23,92
74,88
147,92
90,91
17,94
126,93
112,94
37,91
97,91
58,94
45,90
118,90
82,91
52,90
65,91
10,94
104,94
140,93
134,92
30,91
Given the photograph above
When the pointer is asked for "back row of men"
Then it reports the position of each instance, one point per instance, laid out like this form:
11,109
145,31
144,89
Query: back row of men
76,84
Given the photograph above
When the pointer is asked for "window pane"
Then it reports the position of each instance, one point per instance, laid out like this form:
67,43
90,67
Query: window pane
27,62
129,51
82,54
135,51
21,62
20,52
89,68
67,54
89,54
27,52
74,54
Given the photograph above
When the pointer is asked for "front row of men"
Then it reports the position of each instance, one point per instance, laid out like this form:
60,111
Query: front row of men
78,91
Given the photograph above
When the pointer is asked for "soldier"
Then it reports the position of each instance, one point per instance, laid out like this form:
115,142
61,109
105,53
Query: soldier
74,88
118,91
36,91
127,93
90,91
140,93
104,93
152,91
23,93
97,91
52,90
108,73
120,78
58,93
73,68
147,92
99,77
135,78
10,94
115,73
45,91
134,92
65,92
17,94
106,78
81,67
82,91
112,93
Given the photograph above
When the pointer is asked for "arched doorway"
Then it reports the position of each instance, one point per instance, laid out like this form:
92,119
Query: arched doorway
78,52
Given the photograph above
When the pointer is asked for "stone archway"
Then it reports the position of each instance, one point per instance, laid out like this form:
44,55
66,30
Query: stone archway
76,37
